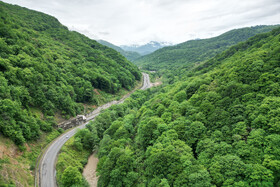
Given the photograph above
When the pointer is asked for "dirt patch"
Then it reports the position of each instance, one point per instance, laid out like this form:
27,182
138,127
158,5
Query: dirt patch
27,147
156,83
96,91
18,173
9,152
58,117
90,170
14,168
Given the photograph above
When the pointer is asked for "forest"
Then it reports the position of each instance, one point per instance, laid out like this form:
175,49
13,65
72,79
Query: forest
185,54
46,67
217,127
215,120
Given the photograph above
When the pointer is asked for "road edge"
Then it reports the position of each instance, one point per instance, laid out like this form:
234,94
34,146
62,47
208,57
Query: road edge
37,171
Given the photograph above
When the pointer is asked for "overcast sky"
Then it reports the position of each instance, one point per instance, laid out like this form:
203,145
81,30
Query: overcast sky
140,21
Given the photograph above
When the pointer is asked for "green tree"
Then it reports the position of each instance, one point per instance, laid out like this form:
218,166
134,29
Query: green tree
71,176
147,132
194,132
227,169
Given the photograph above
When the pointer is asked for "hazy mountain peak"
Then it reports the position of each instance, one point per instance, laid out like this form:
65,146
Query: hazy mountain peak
130,55
146,48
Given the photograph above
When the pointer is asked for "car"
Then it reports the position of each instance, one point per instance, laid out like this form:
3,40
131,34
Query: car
67,136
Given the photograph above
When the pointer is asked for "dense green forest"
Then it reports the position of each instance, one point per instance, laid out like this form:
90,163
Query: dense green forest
130,55
190,52
46,67
214,124
217,127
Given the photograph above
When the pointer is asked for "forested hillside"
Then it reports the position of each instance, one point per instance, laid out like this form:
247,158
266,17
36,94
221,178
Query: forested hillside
190,52
46,67
218,127
130,55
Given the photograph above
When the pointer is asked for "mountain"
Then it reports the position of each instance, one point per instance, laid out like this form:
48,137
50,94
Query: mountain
197,50
145,49
220,126
47,68
130,55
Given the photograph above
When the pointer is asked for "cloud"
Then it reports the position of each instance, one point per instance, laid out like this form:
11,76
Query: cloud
104,33
140,21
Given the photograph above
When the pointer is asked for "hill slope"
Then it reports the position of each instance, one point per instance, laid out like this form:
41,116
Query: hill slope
45,66
197,50
219,127
130,55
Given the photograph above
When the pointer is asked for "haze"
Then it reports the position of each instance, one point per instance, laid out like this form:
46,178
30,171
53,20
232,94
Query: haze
125,22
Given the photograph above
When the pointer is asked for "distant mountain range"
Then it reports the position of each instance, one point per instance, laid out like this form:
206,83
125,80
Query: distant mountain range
145,49
130,55
133,52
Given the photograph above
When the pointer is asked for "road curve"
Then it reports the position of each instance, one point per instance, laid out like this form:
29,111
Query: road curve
146,81
46,170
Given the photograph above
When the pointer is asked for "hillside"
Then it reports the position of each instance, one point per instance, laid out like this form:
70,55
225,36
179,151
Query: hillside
218,127
130,55
194,51
46,68
146,48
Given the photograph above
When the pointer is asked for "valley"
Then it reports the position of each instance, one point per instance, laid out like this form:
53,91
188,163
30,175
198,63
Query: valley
46,170
202,113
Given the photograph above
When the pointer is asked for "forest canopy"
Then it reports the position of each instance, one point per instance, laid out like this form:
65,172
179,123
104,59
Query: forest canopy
44,65
217,127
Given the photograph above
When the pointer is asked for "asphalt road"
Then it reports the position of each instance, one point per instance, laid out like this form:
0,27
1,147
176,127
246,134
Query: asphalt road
46,170
146,81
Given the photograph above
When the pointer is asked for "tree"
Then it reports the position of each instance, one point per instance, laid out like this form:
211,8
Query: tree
194,175
180,96
147,131
160,110
167,157
227,170
117,168
71,176
164,183
194,132
258,173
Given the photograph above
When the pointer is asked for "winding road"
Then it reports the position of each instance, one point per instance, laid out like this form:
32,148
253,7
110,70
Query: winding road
146,81
46,171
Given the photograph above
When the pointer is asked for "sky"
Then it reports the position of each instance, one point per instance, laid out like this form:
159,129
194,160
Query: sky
127,22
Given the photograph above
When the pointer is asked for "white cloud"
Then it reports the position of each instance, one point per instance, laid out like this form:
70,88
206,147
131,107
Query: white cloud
140,21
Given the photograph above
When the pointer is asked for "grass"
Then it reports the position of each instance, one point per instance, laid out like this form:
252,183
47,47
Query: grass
18,166
70,156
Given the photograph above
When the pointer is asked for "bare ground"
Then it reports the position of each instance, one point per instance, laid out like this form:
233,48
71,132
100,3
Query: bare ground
156,83
90,170
14,169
